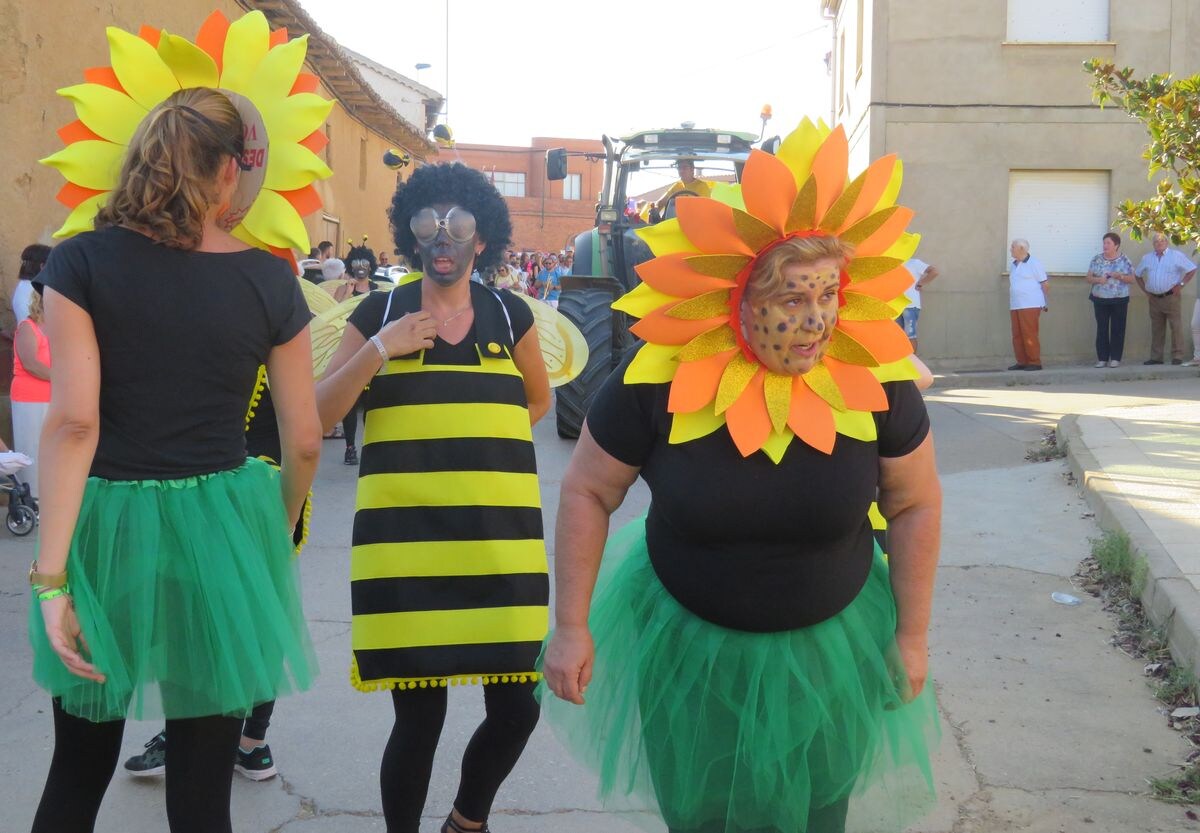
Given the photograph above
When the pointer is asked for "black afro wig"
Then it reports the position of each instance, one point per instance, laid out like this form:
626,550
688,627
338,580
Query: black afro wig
456,184
361,253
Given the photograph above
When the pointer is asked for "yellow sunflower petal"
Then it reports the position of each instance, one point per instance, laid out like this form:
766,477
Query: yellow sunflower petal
249,239
866,268
139,69
702,307
804,210
291,167
900,371
734,380
754,232
904,247
642,301
109,114
246,44
708,343
273,221
729,194
865,308
857,424
800,146
275,76
292,119
666,237
778,392
821,382
90,164
191,65
83,217
694,425
718,266
846,349
653,364
864,228
777,444
892,192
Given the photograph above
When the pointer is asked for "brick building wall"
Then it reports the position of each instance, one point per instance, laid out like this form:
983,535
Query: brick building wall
543,219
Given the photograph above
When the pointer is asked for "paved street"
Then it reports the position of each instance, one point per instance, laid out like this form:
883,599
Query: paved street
1047,727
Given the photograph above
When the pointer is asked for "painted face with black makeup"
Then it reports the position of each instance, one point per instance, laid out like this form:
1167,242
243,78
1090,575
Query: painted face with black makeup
444,260
360,269
789,329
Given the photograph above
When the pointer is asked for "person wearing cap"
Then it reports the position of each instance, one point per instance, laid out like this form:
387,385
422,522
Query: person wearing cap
687,183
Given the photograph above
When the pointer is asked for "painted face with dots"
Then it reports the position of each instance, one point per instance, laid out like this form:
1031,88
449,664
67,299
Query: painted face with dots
789,327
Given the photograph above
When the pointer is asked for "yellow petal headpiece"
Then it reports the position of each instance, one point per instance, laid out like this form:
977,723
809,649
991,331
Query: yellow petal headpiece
689,298
259,69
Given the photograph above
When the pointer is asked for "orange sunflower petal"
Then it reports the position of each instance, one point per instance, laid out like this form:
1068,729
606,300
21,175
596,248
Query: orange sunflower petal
279,37
671,275
884,339
885,287
768,188
150,35
860,389
829,169
77,131
305,200
695,383
879,231
315,141
211,37
306,82
105,76
811,418
71,195
660,328
747,418
709,225
860,198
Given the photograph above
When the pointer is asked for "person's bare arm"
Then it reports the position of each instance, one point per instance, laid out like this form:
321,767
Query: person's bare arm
527,356
289,371
68,444
928,276
593,487
357,360
910,497
27,348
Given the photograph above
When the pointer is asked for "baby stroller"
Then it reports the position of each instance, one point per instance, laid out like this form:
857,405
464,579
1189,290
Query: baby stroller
22,508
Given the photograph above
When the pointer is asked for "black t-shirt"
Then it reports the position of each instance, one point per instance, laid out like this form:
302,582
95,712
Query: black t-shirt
181,338
367,318
744,542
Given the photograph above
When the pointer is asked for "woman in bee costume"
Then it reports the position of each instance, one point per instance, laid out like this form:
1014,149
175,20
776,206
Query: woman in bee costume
448,572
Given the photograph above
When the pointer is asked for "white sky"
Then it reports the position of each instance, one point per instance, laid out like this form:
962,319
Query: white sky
565,68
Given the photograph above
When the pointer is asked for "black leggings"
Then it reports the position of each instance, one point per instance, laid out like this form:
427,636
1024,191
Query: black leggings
199,773
512,713
350,422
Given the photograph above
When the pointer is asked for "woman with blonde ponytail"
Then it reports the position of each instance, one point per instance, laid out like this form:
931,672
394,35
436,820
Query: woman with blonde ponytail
164,584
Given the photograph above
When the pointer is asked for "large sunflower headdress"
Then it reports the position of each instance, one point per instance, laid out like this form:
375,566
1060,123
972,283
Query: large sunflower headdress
688,301
259,69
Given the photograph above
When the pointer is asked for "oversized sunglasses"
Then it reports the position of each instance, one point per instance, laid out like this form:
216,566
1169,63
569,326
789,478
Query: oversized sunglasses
459,225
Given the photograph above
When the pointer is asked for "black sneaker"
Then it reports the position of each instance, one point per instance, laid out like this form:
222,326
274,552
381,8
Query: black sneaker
1152,361
351,456
151,762
1016,367
257,765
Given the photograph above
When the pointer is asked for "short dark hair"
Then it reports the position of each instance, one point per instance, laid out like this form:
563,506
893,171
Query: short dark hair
458,184
1114,237
33,260
324,245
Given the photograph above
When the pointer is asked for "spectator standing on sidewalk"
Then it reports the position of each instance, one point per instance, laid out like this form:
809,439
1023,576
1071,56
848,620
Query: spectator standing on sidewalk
923,274
549,281
33,260
1110,273
1028,285
30,392
1162,275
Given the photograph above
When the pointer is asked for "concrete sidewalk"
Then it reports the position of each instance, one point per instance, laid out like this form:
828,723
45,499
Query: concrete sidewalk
1140,469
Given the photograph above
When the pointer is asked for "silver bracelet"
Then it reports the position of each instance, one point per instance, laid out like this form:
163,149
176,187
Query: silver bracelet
383,353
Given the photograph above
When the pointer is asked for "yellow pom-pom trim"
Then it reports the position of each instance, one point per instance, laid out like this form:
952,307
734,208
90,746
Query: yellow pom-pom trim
260,382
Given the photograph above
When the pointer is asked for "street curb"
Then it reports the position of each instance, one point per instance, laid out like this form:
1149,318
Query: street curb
1068,375
1169,598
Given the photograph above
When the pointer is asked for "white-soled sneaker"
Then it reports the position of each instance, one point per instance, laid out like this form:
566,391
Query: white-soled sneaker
1101,364
1193,363
1115,363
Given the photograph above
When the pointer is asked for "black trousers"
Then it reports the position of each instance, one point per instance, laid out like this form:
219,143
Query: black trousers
199,773
1110,328
512,714
350,422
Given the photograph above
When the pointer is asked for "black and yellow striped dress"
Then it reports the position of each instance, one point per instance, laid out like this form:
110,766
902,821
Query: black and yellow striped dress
448,569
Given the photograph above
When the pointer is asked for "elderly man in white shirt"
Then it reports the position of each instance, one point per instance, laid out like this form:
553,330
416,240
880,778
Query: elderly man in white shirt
1162,275
1028,286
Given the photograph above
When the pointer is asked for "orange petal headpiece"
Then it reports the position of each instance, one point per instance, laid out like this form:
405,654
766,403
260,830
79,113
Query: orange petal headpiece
689,295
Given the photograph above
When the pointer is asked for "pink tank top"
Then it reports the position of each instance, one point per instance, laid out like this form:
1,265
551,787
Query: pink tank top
25,386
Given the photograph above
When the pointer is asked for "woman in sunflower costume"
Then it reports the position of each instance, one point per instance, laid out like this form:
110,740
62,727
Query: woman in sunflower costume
747,659
165,584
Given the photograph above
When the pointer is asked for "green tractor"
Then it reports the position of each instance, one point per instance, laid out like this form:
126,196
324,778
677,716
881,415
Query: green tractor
605,256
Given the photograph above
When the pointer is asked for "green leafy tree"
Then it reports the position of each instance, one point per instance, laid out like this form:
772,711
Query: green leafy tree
1170,110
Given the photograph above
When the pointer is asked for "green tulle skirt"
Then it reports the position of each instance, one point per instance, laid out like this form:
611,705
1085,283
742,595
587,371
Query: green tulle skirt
727,730
188,598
